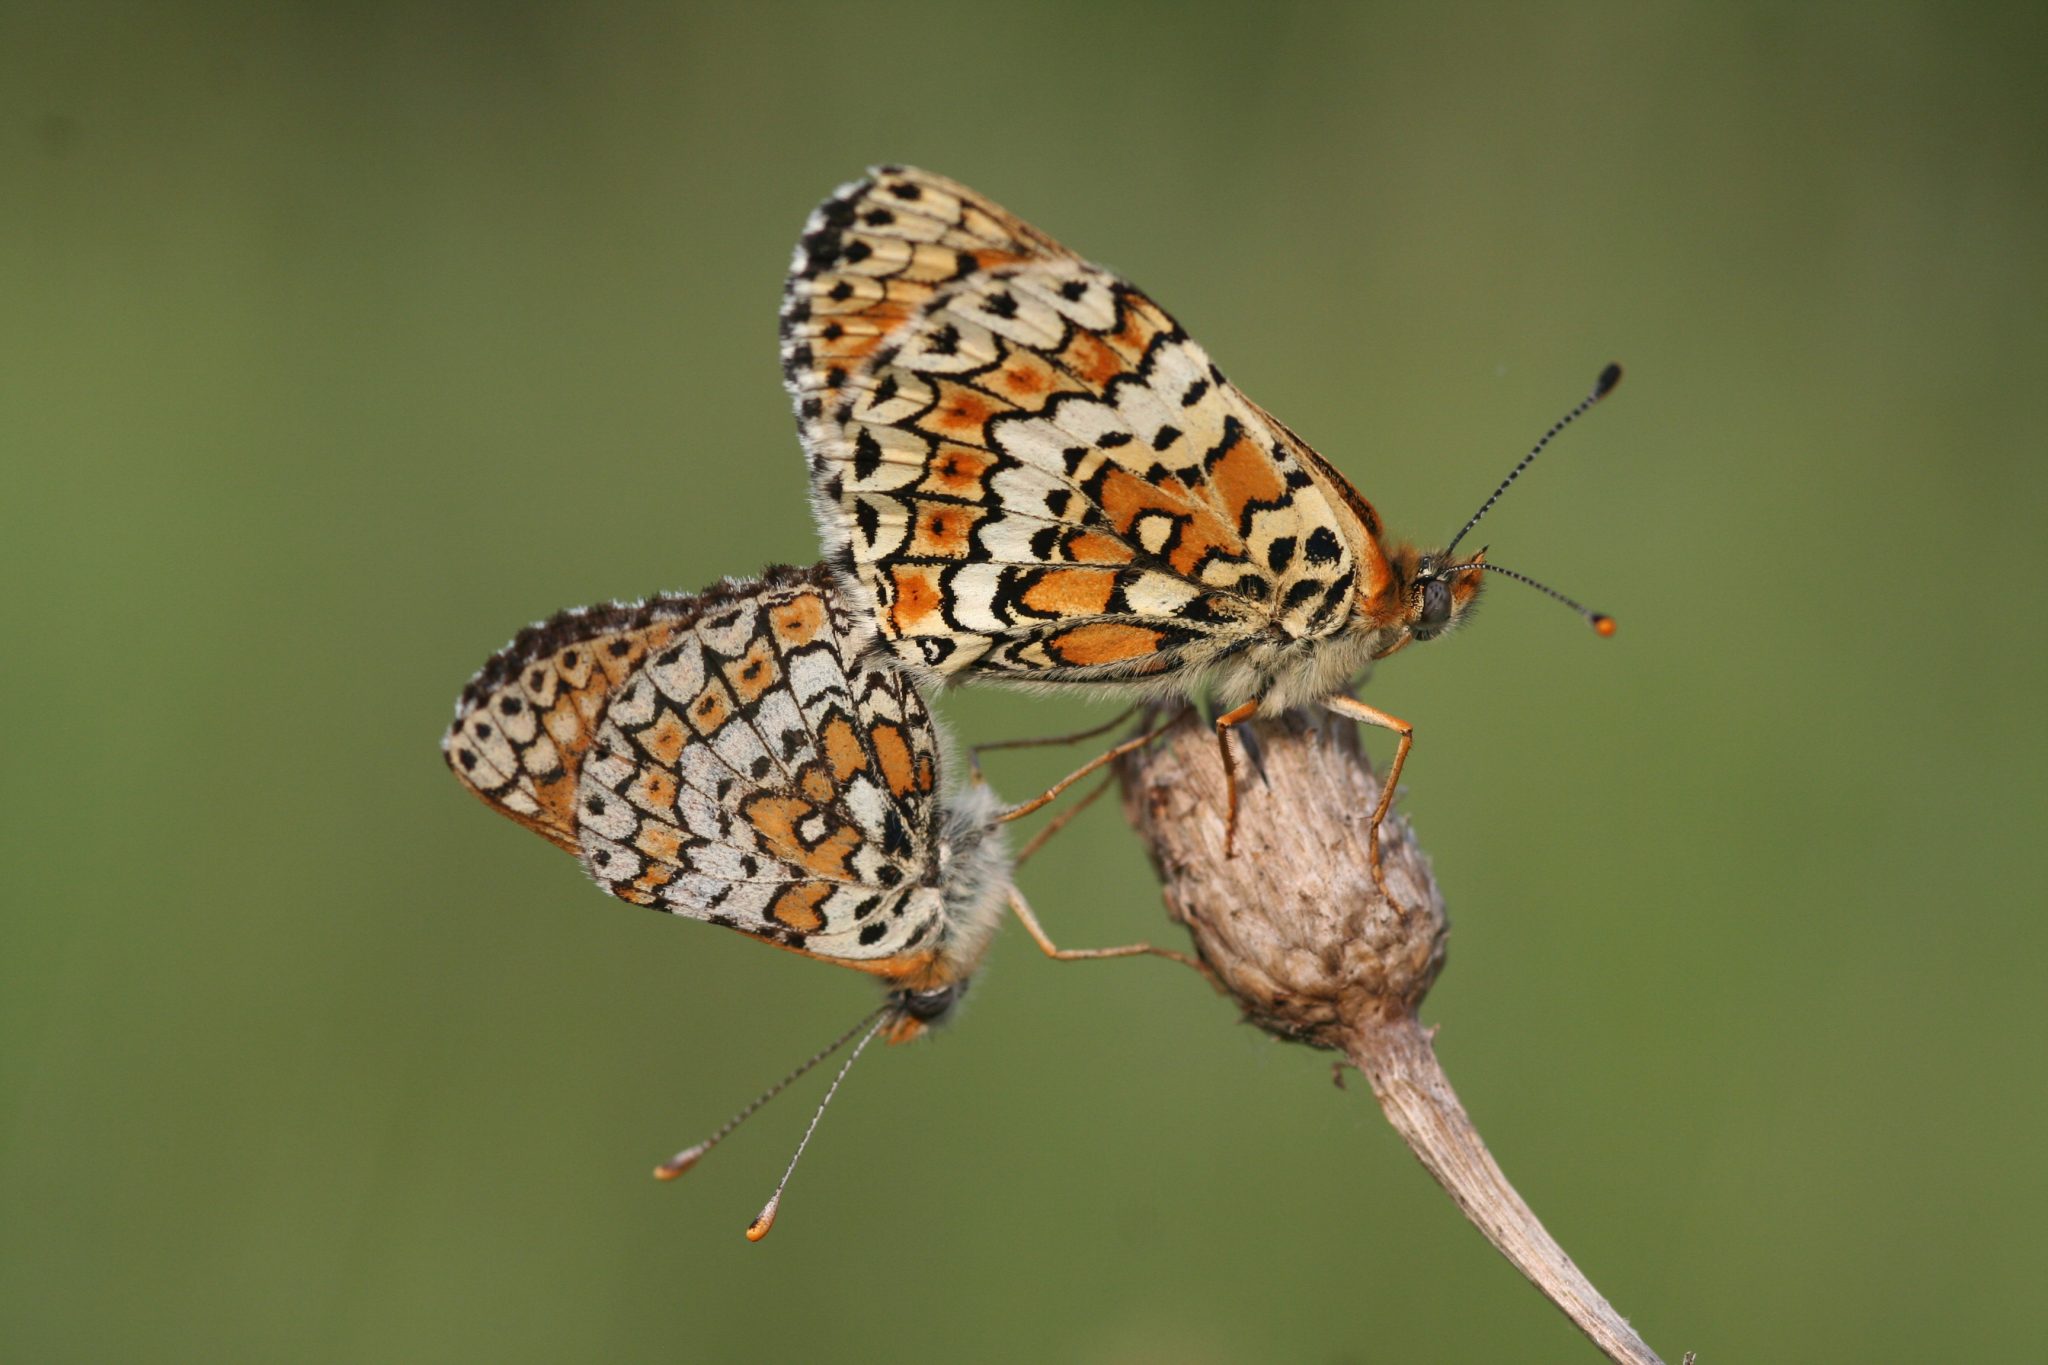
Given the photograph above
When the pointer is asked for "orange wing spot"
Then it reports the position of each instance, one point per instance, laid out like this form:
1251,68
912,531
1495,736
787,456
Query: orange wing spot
942,530
664,740
962,413
988,258
1090,358
655,790
880,308
1070,592
958,470
660,842
1093,547
926,777
557,800
1023,379
776,818
828,859
711,709
857,346
652,879
1142,322
1125,498
1243,476
898,768
797,908
753,673
798,621
658,636
917,596
906,971
842,749
1105,642
816,784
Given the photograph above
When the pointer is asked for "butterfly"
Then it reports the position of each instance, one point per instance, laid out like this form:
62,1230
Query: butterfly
1030,474
742,756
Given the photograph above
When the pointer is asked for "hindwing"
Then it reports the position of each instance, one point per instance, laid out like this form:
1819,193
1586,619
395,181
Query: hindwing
728,757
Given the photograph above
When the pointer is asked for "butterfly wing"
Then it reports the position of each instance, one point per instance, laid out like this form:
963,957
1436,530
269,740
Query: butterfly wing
525,722
738,765
1030,468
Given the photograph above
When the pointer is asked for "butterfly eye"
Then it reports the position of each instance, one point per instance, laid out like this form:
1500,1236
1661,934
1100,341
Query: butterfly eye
926,1006
1436,608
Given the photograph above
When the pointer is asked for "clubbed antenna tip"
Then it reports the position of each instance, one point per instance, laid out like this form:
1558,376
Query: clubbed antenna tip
765,1219
690,1156
681,1161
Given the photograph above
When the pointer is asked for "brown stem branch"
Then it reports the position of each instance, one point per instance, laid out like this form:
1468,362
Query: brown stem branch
1295,929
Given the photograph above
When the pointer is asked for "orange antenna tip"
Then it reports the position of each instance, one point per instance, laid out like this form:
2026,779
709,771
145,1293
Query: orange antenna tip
1603,624
758,1229
690,1156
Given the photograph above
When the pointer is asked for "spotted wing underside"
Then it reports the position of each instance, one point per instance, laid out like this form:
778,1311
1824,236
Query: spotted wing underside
1029,467
724,757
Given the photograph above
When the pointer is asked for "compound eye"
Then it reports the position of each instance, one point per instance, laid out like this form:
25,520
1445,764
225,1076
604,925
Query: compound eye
929,1005
1436,607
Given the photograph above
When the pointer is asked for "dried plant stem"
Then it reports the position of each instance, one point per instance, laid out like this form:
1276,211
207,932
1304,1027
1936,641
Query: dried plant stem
1396,1056
1297,932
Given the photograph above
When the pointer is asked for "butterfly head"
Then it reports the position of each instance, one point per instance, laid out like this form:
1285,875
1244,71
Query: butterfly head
911,1012
1424,596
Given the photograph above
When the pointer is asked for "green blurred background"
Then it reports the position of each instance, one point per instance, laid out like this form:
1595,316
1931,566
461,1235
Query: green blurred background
337,341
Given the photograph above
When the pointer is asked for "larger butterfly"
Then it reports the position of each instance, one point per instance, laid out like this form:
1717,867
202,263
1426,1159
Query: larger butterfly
740,756
1032,475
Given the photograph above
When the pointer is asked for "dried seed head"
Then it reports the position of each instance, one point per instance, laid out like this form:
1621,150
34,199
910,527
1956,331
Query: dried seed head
1293,925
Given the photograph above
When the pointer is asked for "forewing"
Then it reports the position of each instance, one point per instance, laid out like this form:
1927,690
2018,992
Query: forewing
1027,465
757,775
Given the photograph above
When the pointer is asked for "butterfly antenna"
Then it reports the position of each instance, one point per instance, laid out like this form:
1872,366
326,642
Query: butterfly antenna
690,1156
1609,377
765,1220
1599,621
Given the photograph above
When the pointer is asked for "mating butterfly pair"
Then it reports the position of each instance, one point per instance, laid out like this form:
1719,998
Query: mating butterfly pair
1025,472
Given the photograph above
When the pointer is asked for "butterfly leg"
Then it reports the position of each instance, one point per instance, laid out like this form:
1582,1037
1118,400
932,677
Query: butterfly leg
1100,760
975,752
1354,709
1059,954
1237,715
1062,820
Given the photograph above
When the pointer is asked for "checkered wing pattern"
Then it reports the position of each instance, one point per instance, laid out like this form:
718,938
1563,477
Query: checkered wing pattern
1030,470
725,757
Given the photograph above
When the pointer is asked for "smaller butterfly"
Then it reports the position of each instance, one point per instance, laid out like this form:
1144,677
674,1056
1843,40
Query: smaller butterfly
740,756
1029,474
